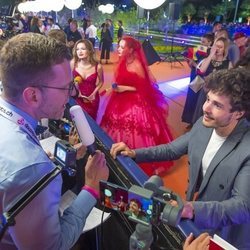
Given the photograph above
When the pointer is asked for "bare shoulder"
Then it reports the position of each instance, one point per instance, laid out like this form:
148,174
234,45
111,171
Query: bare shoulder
99,67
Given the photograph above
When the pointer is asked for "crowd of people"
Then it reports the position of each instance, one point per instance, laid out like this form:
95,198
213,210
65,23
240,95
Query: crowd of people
42,69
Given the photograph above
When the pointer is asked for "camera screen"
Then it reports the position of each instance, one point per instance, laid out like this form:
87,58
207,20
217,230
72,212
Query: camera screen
137,207
61,154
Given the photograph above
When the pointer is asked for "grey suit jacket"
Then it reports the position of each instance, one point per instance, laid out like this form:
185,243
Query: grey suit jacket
223,203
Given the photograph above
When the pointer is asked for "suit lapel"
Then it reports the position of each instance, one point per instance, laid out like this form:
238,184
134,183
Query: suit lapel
201,141
230,143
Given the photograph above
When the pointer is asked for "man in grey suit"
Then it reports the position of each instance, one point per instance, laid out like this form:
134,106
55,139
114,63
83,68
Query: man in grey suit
218,194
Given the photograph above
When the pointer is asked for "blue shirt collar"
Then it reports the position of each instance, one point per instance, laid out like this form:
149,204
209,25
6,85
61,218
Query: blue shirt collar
33,122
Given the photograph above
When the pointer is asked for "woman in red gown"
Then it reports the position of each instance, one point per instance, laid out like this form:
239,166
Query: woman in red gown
136,112
88,76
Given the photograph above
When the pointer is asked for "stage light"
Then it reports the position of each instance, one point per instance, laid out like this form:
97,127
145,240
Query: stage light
149,4
73,4
21,7
43,5
106,9
57,5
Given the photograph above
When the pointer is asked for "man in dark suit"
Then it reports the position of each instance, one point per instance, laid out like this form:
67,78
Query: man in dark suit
218,195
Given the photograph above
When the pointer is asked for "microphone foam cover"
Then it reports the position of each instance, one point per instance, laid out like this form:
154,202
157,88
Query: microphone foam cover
85,133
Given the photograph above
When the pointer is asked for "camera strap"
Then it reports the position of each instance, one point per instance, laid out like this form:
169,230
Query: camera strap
19,120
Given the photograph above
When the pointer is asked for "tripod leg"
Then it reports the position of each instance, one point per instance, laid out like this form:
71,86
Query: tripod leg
176,59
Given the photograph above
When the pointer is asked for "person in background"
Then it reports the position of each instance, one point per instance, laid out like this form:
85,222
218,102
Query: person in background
216,60
91,32
35,25
241,40
217,26
110,26
137,111
218,193
19,26
233,50
88,76
120,31
106,43
26,23
37,83
73,35
51,25
41,26
191,100
67,28
244,60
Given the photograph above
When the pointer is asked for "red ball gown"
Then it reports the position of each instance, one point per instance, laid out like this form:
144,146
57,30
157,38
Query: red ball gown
86,88
138,118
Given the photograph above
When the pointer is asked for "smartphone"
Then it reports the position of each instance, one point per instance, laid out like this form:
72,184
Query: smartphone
136,203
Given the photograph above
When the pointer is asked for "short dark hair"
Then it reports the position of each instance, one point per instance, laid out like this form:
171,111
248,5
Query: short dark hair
209,37
233,83
27,59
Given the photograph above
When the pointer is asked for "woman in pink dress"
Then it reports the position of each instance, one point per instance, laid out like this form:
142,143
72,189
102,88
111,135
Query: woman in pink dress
137,111
88,76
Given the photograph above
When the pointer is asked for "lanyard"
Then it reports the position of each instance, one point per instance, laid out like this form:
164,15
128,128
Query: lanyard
19,120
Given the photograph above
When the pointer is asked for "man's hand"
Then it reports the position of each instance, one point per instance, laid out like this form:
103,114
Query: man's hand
73,136
123,149
74,142
200,243
80,150
96,170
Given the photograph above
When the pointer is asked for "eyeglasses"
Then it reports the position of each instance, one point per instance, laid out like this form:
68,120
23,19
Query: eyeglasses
71,89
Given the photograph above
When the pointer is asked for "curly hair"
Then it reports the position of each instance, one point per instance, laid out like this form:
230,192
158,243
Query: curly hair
233,83
27,59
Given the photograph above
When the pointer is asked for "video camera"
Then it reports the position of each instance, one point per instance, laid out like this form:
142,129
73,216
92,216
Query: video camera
148,205
60,128
65,156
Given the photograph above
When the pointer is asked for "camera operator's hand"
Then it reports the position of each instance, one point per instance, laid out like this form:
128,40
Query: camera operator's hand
73,136
96,170
200,243
74,142
80,150
123,149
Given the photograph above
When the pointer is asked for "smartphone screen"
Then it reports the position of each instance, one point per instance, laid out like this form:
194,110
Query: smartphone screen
136,202
140,208
113,196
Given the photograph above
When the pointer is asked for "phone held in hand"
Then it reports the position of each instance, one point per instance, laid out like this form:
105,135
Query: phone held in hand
137,203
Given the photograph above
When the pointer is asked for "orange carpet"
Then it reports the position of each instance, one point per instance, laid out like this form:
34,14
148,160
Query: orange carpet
176,178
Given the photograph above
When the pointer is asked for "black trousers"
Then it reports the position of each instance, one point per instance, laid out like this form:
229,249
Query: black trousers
92,40
105,52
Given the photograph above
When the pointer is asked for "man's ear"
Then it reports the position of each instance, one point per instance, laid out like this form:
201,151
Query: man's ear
239,114
32,96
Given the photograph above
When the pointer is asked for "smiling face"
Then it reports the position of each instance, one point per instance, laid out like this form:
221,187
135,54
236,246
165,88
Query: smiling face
134,207
218,115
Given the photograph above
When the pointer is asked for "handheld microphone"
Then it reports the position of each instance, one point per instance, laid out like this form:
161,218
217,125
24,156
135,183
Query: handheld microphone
84,131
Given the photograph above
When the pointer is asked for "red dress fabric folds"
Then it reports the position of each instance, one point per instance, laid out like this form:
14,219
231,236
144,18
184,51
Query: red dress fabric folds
138,118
